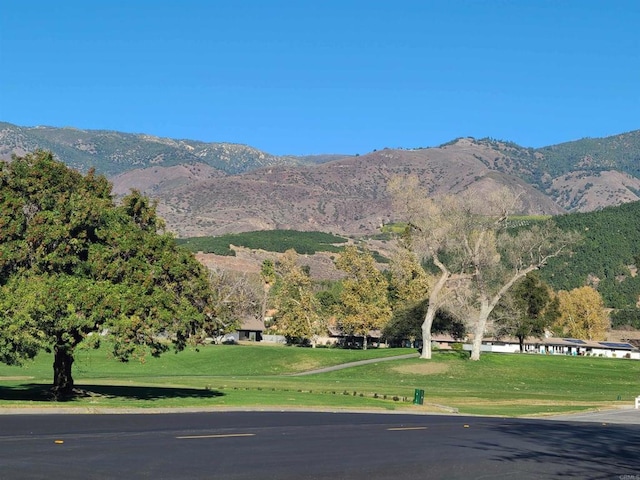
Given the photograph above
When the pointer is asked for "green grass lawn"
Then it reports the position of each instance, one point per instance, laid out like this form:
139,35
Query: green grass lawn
257,375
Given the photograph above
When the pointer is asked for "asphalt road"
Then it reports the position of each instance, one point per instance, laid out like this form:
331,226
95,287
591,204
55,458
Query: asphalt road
301,445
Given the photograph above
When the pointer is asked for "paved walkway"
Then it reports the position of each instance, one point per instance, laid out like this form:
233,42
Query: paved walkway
354,364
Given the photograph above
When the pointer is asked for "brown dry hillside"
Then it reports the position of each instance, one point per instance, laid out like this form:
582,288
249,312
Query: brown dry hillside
154,179
345,196
213,188
587,191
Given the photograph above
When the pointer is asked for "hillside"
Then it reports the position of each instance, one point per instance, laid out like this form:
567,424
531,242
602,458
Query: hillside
215,188
113,153
582,175
608,258
345,196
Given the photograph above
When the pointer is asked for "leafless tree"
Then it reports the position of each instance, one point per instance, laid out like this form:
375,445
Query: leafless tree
478,256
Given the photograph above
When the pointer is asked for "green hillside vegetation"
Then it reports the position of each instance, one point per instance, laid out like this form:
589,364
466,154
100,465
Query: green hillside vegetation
221,376
520,220
304,243
394,228
620,152
109,152
609,250
112,153
607,257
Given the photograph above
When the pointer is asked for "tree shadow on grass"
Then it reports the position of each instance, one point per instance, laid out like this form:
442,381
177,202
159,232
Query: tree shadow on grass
38,392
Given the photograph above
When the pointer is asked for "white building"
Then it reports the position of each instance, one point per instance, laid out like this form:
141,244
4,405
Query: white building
561,346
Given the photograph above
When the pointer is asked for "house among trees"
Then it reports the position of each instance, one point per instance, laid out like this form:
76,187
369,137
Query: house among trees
337,336
250,329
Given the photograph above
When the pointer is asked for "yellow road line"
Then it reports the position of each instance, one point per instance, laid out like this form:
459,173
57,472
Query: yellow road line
222,435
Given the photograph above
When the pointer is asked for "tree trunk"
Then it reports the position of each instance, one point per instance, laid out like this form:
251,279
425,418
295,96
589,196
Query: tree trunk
432,308
521,341
486,307
62,379
364,342
426,331
481,325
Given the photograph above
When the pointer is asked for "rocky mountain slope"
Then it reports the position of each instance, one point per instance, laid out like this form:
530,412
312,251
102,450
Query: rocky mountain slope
344,196
214,188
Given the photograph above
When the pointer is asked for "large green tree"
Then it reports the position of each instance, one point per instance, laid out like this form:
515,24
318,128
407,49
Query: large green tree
73,264
364,302
527,310
298,310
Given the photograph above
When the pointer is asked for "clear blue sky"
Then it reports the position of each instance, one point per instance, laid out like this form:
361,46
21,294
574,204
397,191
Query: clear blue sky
325,76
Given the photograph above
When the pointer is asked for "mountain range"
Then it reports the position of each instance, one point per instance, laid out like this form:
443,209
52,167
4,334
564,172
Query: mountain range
215,188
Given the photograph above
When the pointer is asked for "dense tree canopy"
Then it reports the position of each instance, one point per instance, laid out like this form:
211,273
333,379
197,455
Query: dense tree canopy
409,282
528,309
607,258
406,324
582,314
298,310
364,303
73,264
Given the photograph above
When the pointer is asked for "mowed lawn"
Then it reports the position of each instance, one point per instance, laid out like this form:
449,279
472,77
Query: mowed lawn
261,376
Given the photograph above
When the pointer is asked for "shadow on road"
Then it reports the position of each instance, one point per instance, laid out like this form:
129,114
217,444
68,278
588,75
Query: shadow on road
39,392
581,450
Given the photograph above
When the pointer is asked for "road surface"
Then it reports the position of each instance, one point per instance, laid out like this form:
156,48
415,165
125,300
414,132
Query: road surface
307,445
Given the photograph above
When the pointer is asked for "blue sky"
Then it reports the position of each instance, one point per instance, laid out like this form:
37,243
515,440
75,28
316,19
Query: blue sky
302,77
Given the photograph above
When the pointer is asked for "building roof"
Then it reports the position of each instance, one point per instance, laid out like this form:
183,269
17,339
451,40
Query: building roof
445,338
565,342
575,342
252,324
336,331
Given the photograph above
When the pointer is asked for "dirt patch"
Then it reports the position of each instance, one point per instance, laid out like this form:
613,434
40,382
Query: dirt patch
306,365
17,377
423,368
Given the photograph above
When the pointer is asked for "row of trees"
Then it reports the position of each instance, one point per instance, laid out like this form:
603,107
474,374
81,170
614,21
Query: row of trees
459,267
395,303
361,304
306,243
